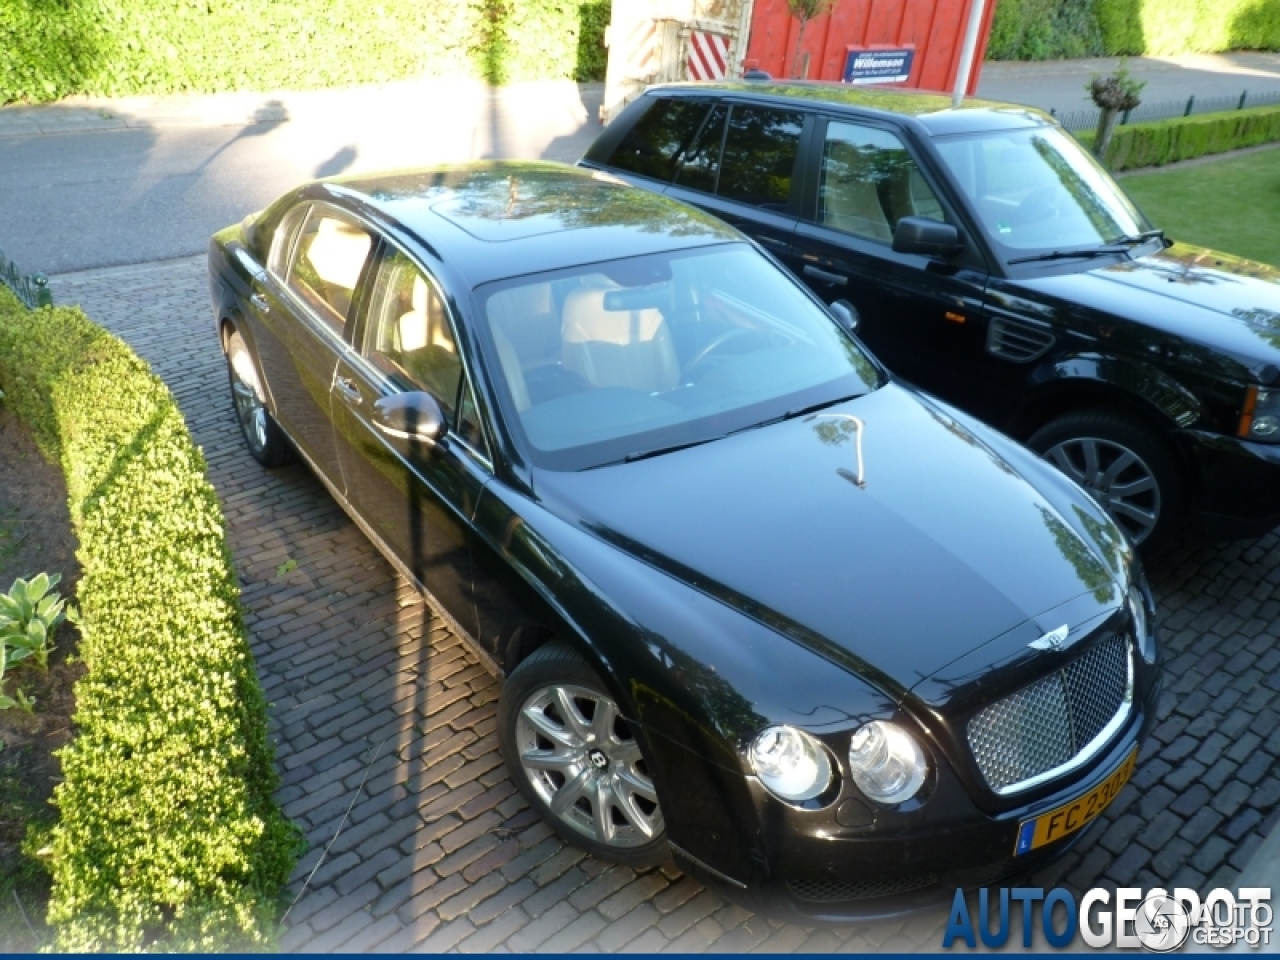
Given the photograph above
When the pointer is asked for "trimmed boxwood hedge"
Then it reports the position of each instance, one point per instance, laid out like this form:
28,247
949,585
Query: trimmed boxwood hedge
52,48
1184,138
1048,29
168,837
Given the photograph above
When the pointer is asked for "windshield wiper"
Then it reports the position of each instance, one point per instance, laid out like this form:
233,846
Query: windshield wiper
1118,245
654,452
1068,254
1136,238
792,414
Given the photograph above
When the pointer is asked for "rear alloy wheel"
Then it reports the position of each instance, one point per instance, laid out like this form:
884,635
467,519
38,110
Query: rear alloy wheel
266,441
577,761
1127,470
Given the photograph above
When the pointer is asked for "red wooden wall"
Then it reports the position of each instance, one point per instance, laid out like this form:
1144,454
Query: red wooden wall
936,27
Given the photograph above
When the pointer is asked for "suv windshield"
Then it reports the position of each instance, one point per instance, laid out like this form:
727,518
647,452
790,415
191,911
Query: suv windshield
1038,191
626,359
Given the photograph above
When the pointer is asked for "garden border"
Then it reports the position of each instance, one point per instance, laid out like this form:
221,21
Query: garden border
169,836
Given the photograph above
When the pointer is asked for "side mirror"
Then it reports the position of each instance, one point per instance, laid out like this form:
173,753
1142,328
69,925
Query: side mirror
927,236
409,416
846,315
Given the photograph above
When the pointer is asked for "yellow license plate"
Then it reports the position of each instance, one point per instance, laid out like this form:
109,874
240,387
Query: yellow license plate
1070,817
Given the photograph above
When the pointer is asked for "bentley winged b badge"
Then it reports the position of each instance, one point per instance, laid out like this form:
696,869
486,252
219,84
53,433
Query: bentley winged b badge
1053,640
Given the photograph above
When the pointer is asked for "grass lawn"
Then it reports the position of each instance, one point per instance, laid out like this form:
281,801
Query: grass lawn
1230,205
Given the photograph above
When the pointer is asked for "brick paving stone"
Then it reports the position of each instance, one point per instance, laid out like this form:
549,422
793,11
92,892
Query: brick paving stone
352,661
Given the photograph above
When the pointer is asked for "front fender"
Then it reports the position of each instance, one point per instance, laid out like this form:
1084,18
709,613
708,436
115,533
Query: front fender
1160,393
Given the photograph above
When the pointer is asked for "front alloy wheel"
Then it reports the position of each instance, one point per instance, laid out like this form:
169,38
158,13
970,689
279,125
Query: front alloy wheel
1124,467
577,760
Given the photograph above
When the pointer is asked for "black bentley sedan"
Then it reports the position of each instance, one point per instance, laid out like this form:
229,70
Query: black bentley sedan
995,264
832,643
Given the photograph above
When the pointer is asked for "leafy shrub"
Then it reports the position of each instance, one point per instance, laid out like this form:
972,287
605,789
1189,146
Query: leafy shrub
1048,29
1044,30
52,48
1184,138
168,837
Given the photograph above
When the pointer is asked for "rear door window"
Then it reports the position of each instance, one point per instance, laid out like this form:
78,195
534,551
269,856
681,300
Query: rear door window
760,149
654,145
329,257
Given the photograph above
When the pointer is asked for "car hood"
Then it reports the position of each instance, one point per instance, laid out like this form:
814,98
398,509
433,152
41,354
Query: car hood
941,548
1201,296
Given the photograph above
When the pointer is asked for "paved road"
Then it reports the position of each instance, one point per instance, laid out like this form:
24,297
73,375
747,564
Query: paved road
135,180
95,183
384,725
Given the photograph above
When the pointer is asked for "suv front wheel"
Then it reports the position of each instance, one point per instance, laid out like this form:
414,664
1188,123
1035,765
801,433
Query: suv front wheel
1130,472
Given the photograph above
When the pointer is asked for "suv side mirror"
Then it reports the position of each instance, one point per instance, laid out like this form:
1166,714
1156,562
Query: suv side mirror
409,416
927,236
846,314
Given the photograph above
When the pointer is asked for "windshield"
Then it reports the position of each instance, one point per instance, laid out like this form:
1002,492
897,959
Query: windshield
1038,191
616,360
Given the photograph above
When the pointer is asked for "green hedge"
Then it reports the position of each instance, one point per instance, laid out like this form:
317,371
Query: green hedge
1049,29
1184,138
168,836
52,48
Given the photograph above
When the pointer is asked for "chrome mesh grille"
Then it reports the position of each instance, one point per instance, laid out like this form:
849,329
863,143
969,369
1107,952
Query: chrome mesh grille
1046,724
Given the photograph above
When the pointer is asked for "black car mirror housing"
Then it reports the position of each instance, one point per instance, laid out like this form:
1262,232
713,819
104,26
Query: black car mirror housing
927,236
409,416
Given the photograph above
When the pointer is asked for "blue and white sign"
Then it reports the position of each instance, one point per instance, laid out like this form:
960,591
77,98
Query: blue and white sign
878,66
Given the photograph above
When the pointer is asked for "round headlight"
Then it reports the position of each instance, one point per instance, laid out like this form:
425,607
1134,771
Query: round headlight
886,762
1138,611
792,764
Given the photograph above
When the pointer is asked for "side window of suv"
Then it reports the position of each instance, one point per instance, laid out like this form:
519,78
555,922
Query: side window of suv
760,149
869,182
652,147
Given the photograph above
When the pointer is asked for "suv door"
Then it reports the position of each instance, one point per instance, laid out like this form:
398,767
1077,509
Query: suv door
418,497
922,316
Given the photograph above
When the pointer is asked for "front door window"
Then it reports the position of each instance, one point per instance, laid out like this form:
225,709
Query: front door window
869,182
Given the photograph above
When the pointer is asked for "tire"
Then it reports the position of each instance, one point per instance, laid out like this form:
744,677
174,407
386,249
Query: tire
575,760
262,435
1127,468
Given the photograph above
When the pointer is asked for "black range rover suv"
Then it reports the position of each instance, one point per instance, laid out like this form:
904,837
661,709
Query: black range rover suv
992,262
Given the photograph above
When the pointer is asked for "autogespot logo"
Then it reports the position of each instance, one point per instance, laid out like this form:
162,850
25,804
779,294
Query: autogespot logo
1154,920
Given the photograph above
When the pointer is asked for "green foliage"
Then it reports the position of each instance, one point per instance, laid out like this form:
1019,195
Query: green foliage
1049,29
52,48
29,615
168,837
1184,138
1115,91
1044,30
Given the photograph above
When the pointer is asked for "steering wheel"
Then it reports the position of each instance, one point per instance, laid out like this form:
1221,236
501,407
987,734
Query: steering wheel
1039,204
702,355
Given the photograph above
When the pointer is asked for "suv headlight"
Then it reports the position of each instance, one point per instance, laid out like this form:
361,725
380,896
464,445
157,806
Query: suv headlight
1141,624
1260,417
790,763
885,762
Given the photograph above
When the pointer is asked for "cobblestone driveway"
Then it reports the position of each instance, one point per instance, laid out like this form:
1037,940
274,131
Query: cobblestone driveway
384,724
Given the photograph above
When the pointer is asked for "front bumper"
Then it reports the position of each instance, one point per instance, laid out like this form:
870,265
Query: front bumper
809,866
1239,486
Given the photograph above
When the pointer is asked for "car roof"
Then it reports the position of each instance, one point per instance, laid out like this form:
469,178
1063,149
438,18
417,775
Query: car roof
494,220
933,111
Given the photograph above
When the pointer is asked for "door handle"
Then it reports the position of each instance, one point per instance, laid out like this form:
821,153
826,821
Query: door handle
826,276
260,302
347,387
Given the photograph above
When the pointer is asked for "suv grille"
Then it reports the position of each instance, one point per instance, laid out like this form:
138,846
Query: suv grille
1056,723
1017,340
